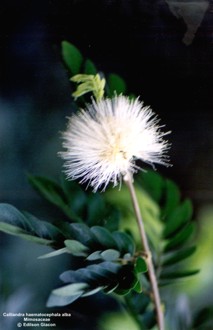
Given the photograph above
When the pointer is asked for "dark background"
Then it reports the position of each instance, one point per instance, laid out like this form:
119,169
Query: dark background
144,41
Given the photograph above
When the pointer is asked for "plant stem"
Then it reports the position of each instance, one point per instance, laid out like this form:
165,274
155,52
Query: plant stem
145,245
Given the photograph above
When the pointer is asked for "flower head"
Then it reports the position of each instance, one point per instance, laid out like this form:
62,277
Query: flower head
103,141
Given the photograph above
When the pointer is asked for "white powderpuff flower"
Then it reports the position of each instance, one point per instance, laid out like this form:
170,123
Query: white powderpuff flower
103,141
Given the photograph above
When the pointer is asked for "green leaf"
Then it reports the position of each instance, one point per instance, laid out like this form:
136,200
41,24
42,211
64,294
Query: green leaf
95,209
72,57
179,256
82,233
106,269
13,230
153,183
138,287
125,242
126,279
94,256
75,195
178,217
56,300
51,191
44,228
76,276
54,253
116,84
111,288
89,67
71,289
93,291
174,275
172,197
9,214
140,265
181,237
103,237
110,255
76,248
27,226
107,276
66,295
111,218
35,239
101,275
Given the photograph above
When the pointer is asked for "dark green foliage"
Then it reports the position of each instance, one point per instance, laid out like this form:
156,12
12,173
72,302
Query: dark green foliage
110,261
178,227
107,276
113,271
116,267
175,240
